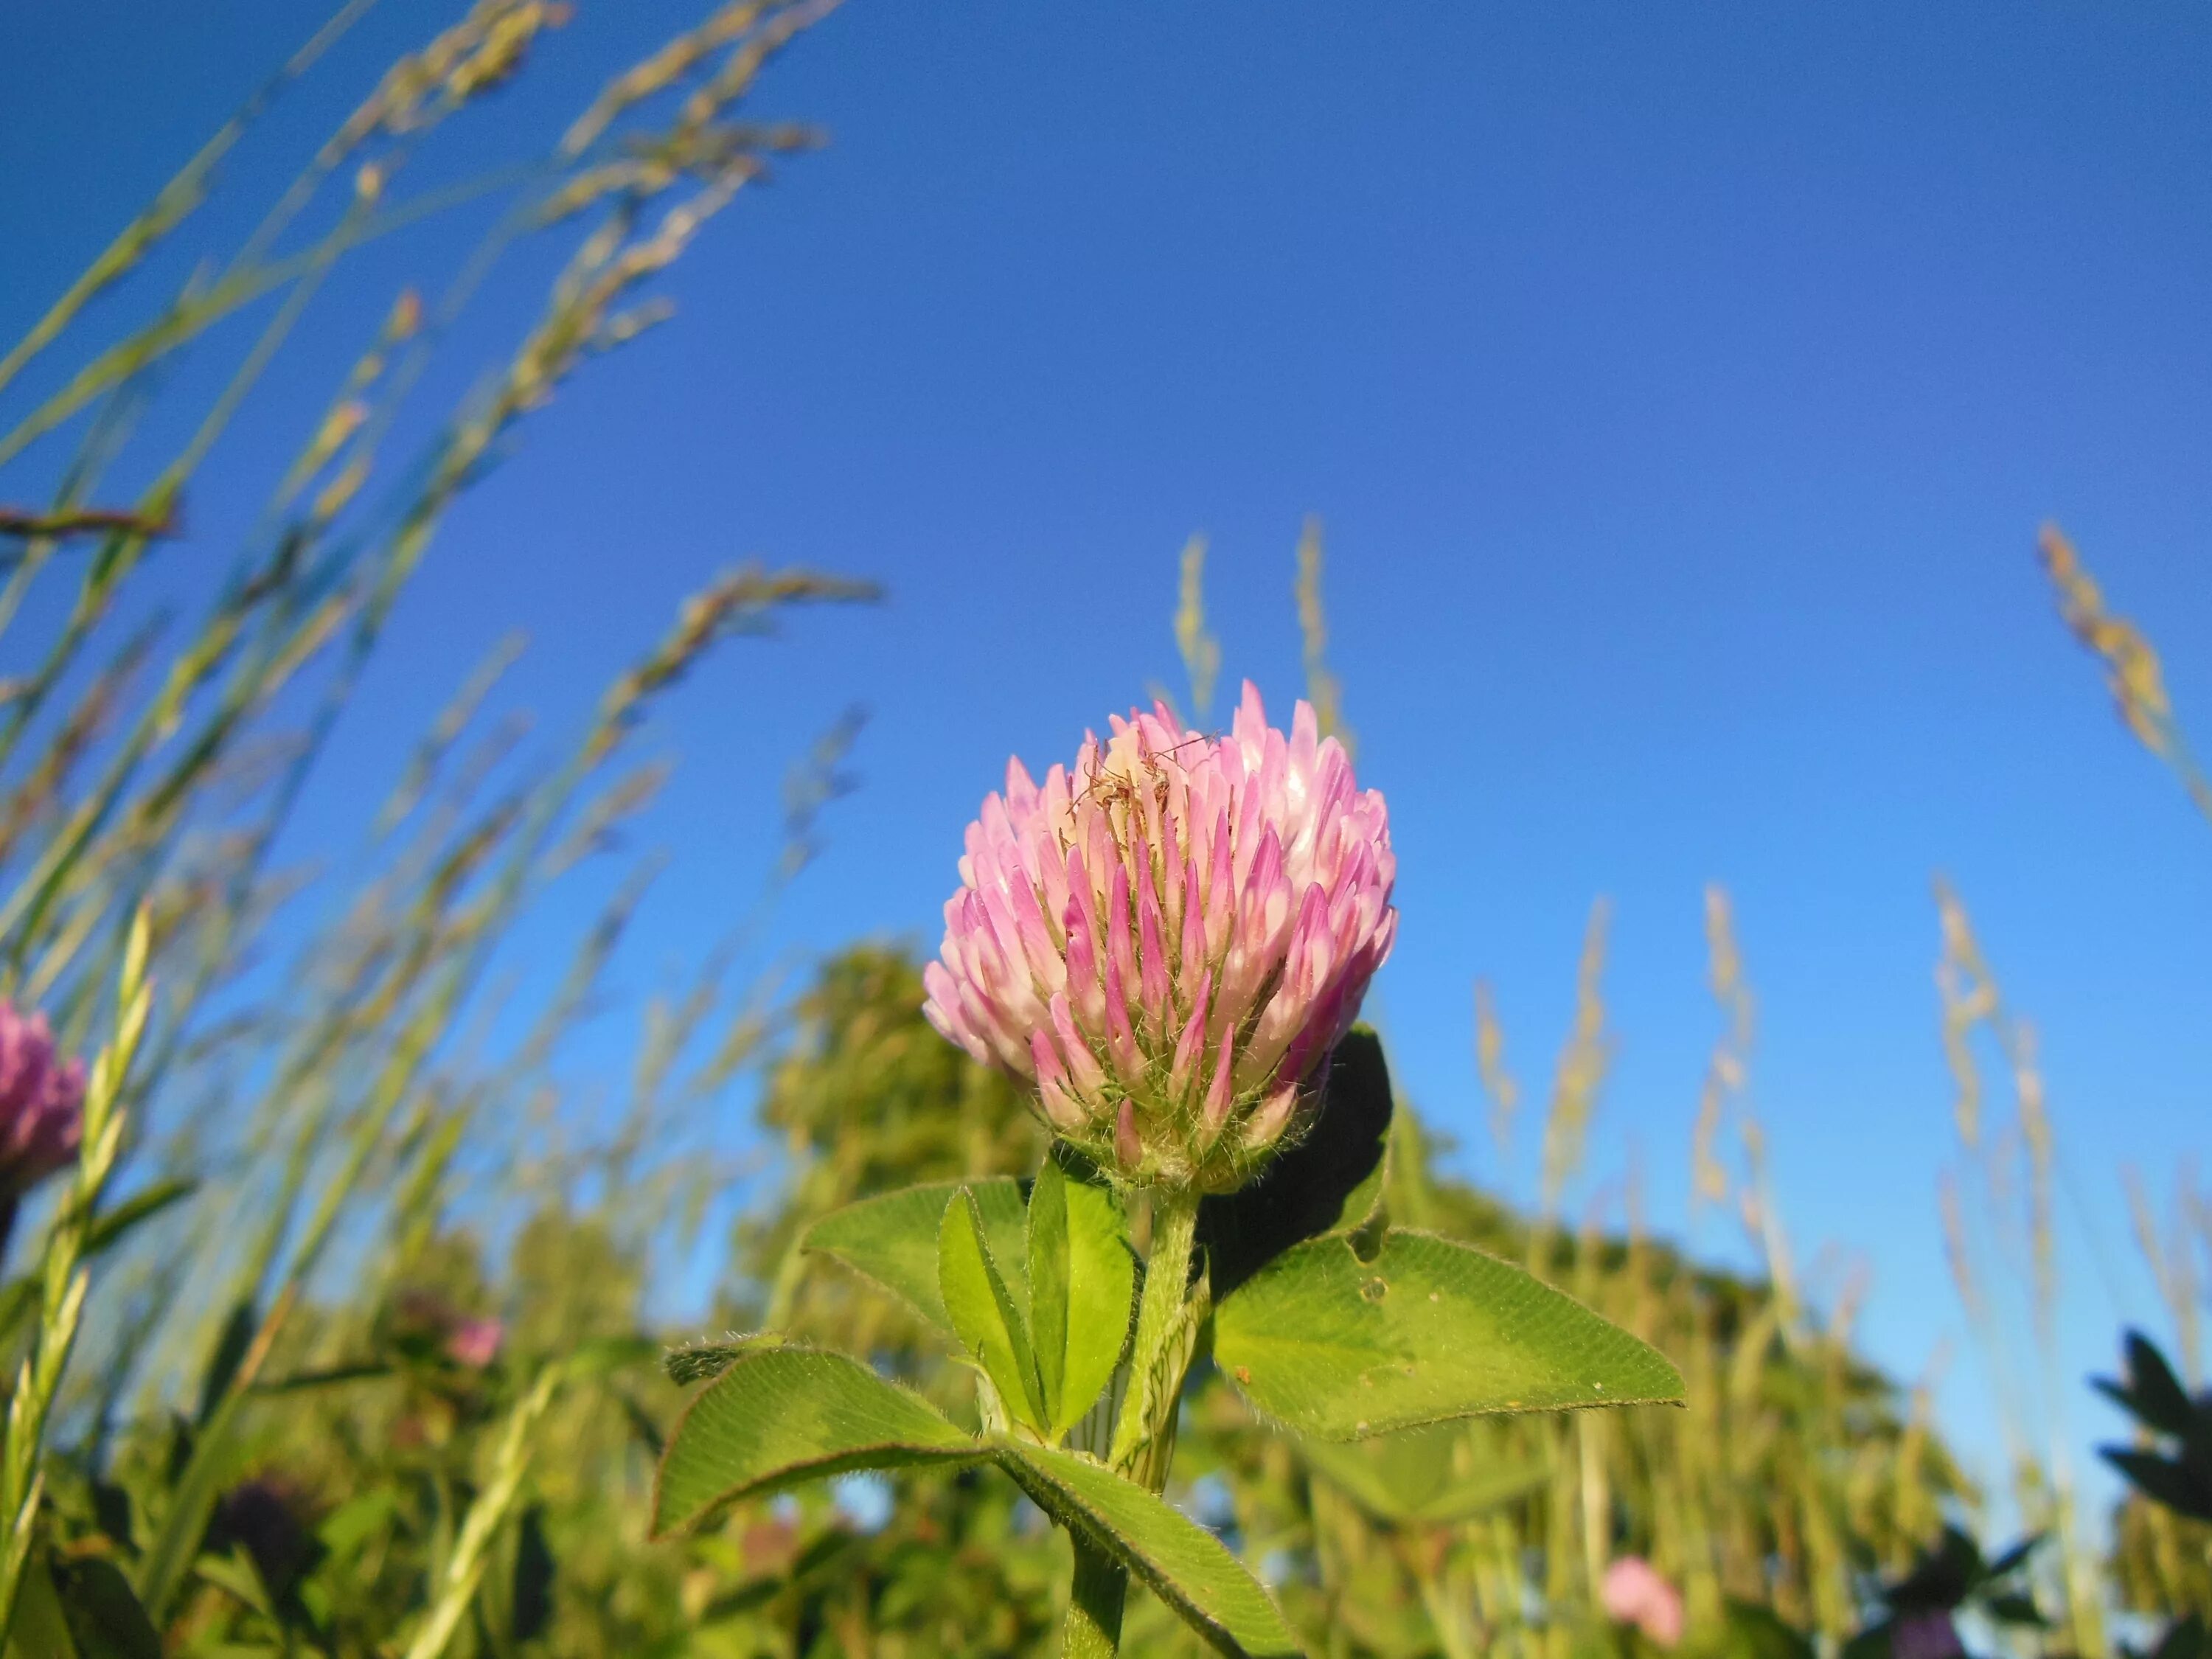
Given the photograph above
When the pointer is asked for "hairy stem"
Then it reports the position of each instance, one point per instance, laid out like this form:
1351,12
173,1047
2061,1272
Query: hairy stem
1144,1438
1149,1410
1093,1630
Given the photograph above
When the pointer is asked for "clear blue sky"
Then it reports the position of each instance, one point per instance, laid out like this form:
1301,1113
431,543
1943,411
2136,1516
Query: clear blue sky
1682,388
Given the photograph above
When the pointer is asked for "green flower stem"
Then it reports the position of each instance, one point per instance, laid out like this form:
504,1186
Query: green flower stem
1150,1407
1144,1438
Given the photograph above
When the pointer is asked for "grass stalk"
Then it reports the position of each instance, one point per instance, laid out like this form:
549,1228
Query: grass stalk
64,1279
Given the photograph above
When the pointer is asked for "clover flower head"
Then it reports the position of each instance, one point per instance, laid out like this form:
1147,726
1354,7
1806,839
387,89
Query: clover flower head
41,1103
474,1342
1634,1593
1929,1634
1169,939
427,1319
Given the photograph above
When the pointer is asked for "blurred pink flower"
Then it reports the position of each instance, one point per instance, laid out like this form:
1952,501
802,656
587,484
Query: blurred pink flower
1169,938
474,1342
1926,1636
1634,1593
427,1321
41,1103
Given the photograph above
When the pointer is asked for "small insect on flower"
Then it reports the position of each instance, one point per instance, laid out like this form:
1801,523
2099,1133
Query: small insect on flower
1169,937
41,1103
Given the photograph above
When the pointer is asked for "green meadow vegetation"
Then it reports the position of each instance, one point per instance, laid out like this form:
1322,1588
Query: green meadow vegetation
326,1298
